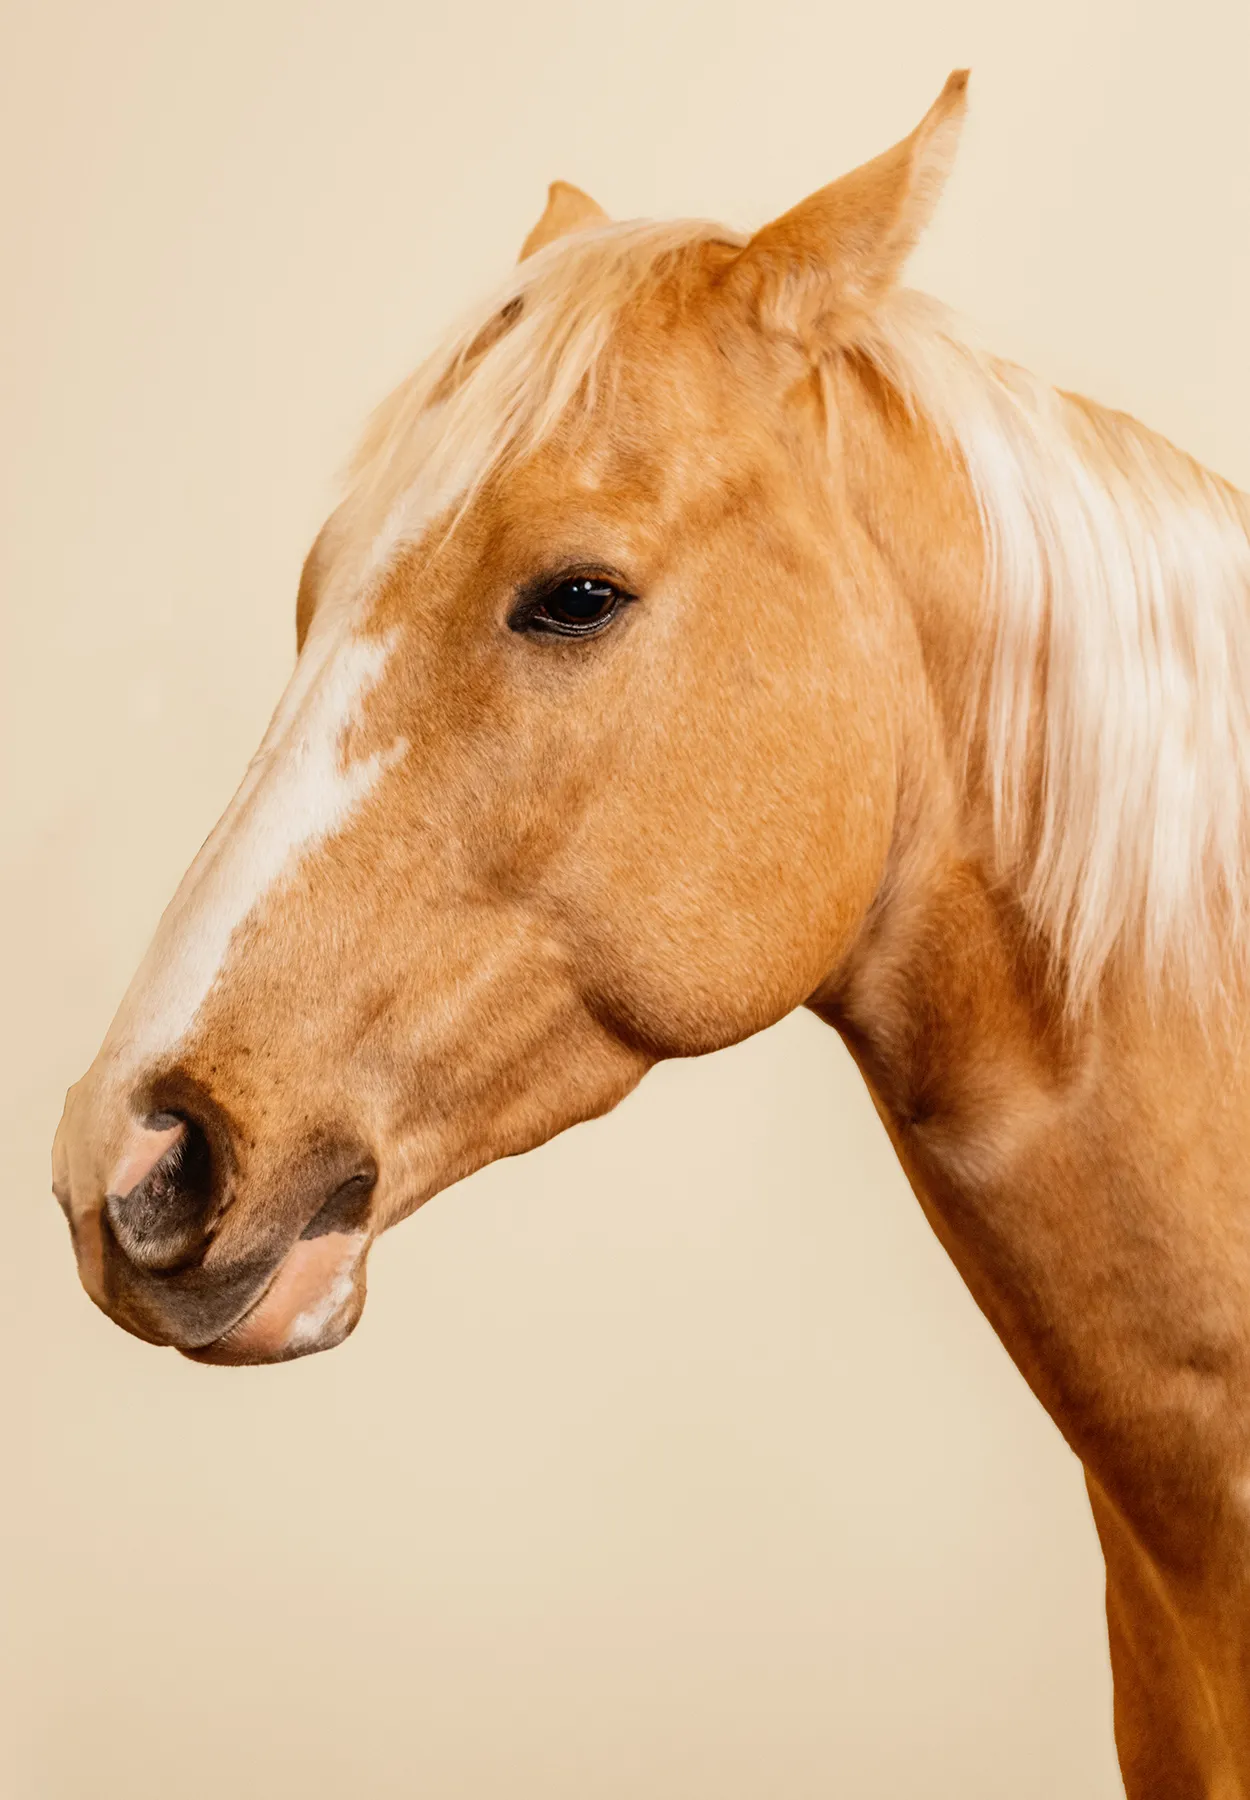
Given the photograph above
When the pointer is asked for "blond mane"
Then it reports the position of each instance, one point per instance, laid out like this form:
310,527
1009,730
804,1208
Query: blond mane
1117,676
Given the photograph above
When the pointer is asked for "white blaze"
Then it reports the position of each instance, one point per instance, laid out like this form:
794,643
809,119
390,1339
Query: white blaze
296,793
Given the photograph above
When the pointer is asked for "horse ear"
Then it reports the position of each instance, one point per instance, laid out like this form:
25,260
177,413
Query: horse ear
835,254
568,209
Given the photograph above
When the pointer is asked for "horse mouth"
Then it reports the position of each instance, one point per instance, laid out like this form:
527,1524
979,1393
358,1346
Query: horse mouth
312,1302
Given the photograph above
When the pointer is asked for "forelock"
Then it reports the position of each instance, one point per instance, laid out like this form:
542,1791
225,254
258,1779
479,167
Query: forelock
506,378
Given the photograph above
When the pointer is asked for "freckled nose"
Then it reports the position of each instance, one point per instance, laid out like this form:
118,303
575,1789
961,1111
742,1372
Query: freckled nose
162,1192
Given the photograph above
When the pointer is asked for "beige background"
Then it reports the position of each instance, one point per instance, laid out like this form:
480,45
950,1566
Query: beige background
672,1461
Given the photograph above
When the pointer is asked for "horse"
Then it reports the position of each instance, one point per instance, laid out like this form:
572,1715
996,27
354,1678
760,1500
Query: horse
710,628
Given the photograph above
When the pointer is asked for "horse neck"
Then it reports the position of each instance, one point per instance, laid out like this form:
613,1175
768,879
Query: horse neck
1085,1169
957,1013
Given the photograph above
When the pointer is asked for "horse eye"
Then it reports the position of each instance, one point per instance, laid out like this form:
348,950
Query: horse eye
575,608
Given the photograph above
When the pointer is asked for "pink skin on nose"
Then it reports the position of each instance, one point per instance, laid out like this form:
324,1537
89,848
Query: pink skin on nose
89,1250
312,1302
141,1152
142,1149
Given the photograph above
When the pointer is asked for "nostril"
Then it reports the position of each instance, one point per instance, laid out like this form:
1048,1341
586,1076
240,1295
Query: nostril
347,1207
161,1221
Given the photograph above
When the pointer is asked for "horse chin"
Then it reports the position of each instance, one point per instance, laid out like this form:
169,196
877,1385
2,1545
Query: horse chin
313,1302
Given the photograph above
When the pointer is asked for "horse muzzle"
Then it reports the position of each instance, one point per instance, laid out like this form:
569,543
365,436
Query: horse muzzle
181,1245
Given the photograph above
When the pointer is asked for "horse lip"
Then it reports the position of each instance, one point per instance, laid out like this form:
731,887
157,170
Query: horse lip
314,1321
200,1352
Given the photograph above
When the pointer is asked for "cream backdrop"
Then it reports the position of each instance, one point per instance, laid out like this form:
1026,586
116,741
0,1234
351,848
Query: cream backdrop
671,1461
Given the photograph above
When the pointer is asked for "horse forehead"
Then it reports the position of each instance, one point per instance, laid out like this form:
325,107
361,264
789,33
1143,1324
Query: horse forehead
663,436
